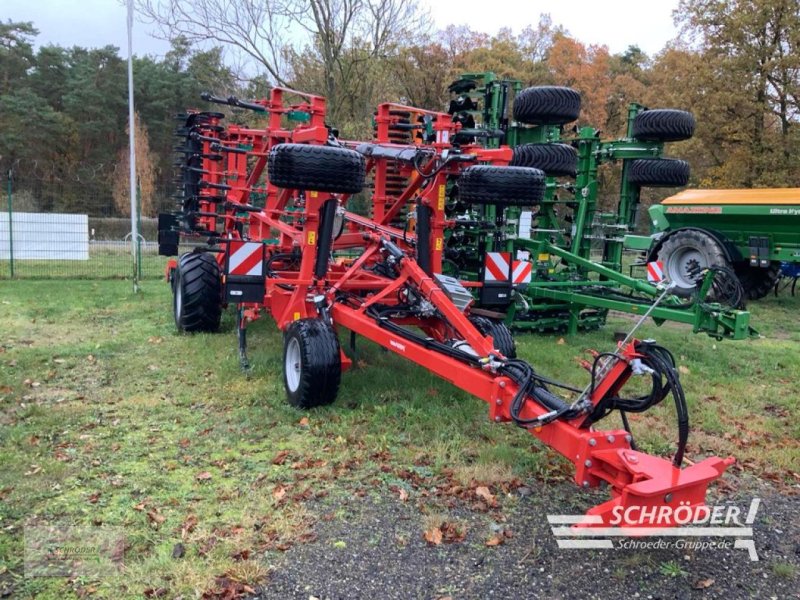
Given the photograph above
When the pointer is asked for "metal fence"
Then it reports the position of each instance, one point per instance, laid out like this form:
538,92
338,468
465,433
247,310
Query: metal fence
56,225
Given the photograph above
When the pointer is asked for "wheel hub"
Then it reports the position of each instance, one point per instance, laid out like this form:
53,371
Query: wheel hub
293,365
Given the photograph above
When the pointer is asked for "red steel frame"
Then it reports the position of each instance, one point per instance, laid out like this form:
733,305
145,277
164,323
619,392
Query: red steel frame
290,221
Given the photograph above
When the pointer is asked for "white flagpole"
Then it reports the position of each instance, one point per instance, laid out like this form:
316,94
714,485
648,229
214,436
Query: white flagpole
132,140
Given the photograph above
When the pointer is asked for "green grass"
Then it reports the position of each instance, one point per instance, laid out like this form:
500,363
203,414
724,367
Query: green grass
107,417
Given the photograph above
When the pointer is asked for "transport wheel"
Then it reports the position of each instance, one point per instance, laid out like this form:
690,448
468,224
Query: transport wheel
663,125
312,366
556,160
503,340
197,293
758,281
547,105
502,186
684,254
659,172
318,168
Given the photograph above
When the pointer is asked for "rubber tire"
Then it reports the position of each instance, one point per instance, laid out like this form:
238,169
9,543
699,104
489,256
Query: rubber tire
663,125
658,172
757,281
556,160
547,105
706,252
197,293
501,335
320,368
501,186
318,168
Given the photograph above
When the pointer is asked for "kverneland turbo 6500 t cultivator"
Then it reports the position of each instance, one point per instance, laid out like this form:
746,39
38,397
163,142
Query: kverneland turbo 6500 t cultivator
269,210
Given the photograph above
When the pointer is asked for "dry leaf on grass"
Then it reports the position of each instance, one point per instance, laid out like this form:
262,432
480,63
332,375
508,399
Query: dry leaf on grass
278,493
280,457
204,476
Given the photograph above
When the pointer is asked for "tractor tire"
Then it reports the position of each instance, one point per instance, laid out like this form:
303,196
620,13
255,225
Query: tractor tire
547,105
503,340
501,186
317,168
757,281
556,160
663,125
312,366
197,293
685,252
659,172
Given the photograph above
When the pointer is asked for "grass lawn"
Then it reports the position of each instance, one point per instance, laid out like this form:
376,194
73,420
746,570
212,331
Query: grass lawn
108,417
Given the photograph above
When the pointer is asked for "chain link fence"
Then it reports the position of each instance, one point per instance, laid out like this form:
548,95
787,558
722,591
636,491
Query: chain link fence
59,222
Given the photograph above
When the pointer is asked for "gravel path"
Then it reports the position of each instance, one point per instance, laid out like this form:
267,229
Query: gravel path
374,548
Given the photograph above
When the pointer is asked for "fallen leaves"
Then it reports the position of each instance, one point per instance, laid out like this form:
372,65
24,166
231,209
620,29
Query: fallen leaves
495,540
203,476
500,537
94,497
702,584
227,588
188,526
448,532
304,422
433,536
155,517
484,493
279,493
280,457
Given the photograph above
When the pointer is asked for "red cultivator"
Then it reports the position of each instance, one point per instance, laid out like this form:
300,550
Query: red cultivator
289,246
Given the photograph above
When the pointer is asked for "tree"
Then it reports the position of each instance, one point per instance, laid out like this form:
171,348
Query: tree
756,45
16,52
145,174
334,43
587,69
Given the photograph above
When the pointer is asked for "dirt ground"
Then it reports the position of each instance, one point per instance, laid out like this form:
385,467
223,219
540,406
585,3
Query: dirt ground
375,550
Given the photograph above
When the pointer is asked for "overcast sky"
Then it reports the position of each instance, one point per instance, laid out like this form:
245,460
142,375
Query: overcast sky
615,23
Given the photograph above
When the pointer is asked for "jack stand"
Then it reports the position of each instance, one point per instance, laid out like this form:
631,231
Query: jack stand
244,363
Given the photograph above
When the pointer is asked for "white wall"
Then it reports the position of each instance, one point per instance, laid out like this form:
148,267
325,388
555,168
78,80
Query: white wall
45,236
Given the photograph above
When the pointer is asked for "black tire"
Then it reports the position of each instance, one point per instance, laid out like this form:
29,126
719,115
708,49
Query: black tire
663,125
312,367
318,168
658,172
684,254
547,105
758,281
502,186
503,340
556,160
197,293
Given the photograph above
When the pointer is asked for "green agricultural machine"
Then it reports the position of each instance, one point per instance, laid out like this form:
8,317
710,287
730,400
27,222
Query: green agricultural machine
574,249
750,231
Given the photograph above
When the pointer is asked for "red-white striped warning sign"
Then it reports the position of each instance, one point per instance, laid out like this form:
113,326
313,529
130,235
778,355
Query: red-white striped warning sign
655,271
523,271
246,258
497,266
